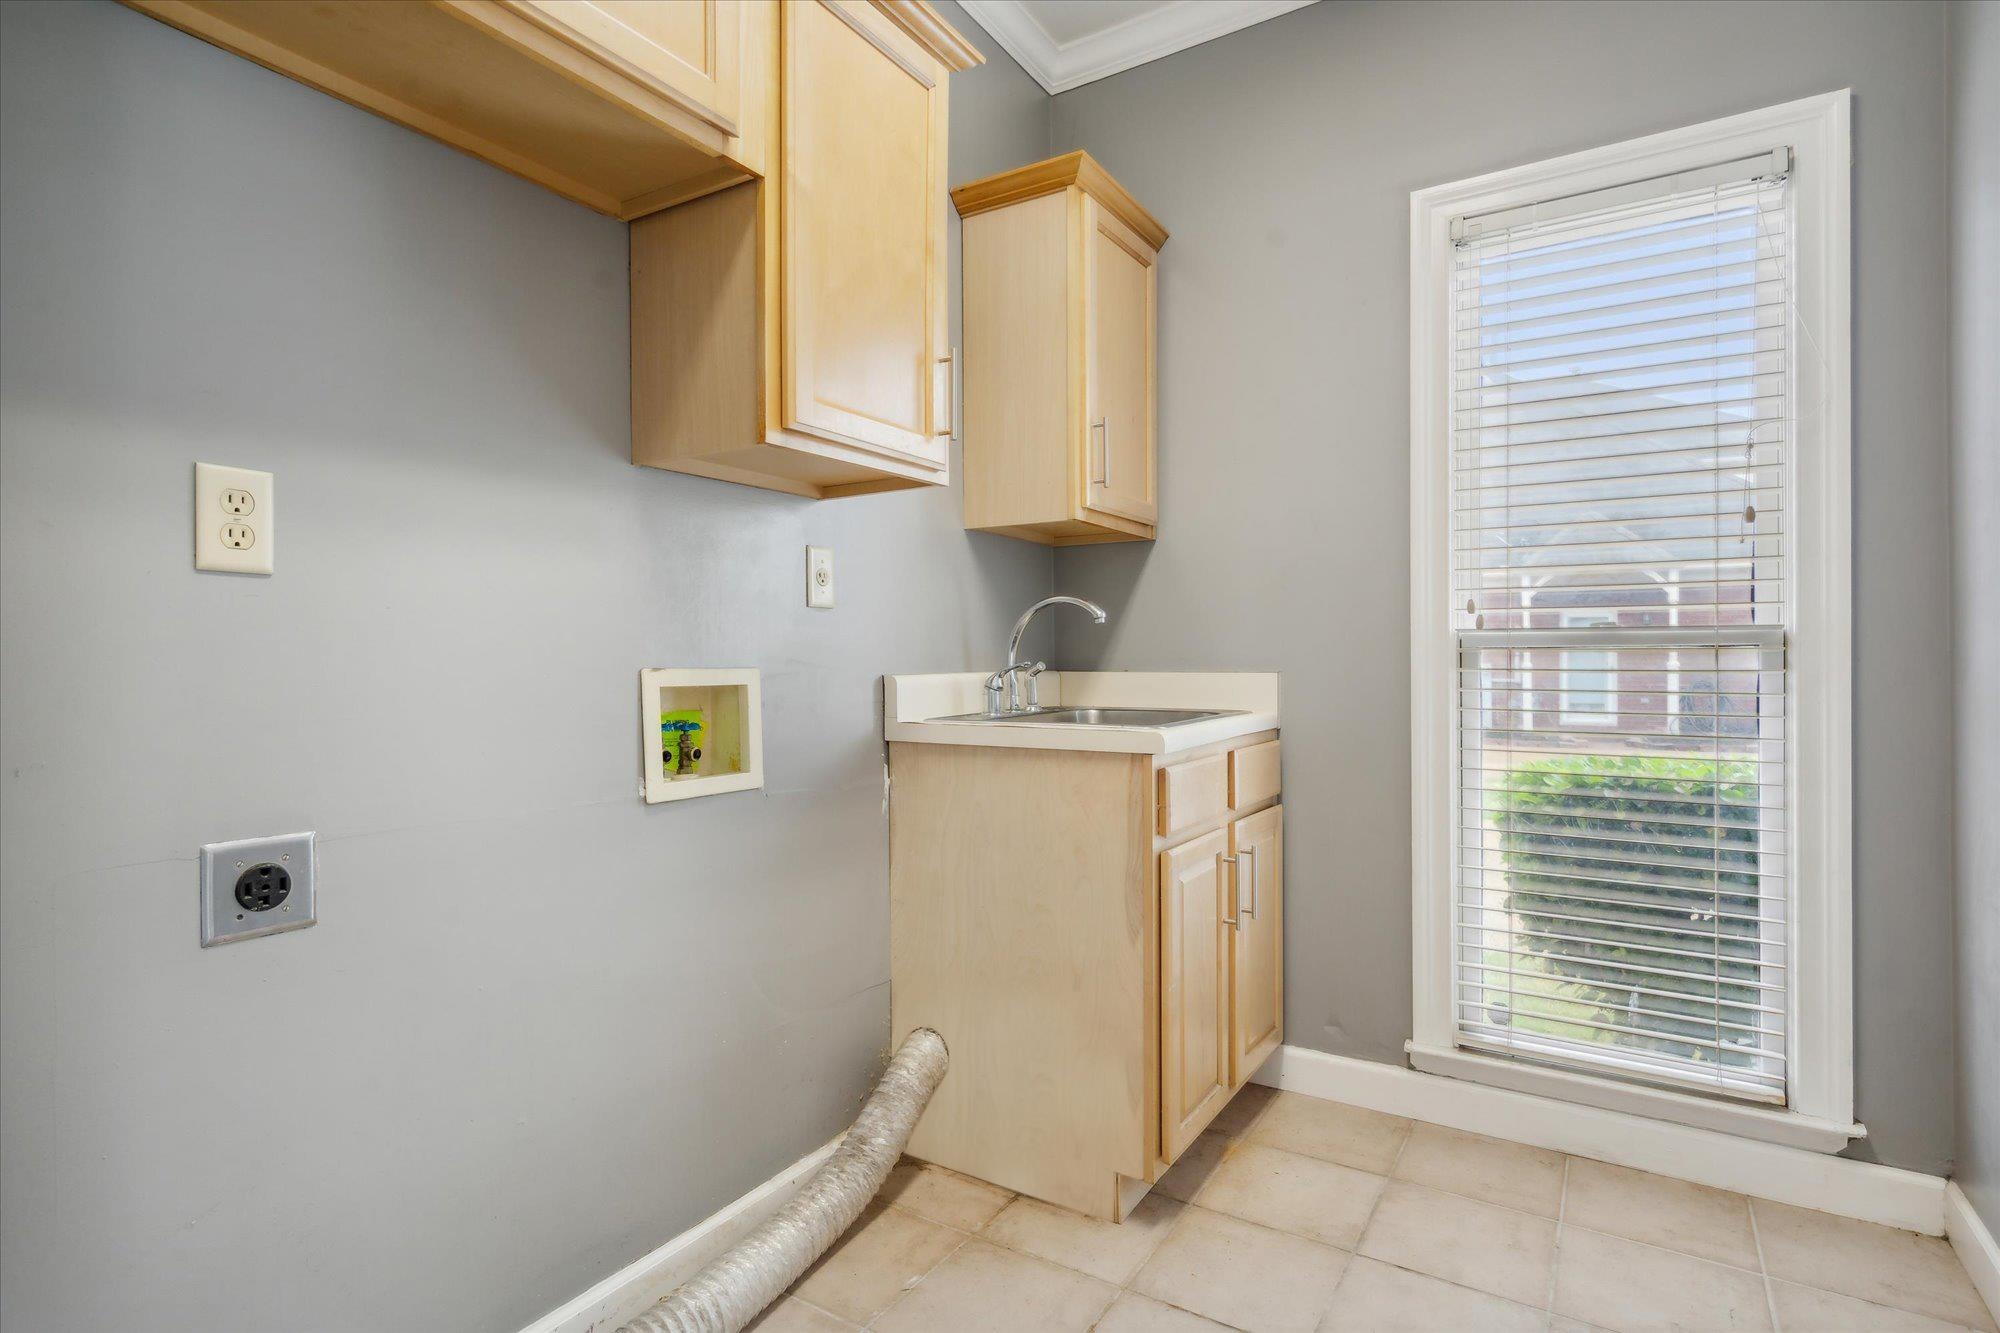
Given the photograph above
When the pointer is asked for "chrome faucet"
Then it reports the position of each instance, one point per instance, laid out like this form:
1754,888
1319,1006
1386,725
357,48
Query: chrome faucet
1009,677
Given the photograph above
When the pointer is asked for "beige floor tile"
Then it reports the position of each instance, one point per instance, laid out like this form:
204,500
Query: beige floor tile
1511,1174
1107,1250
795,1316
1633,1288
1562,1323
1366,1140
1133,1313
1806,1310
1879,1264
1378,1298
1246,1276
985,1289
1244,1110
1461,1240
1185,1177
868,1268
1638,1205
943,1196
1321,1201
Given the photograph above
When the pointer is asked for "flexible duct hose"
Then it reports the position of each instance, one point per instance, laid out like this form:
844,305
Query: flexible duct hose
736,1287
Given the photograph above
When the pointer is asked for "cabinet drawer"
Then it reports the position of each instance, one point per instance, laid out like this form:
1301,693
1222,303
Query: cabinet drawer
1193,792
1253,775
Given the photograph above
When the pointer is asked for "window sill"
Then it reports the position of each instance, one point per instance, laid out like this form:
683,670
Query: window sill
1787,1128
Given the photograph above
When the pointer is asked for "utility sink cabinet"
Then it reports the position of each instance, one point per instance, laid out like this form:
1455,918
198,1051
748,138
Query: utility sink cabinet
1100,939
1061,288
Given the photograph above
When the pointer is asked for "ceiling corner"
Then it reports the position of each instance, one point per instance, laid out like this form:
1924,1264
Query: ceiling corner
1120,45
1019,36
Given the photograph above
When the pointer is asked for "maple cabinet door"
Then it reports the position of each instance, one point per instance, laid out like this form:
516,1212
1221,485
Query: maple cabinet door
865,361
1257,985
1120,281
1194,989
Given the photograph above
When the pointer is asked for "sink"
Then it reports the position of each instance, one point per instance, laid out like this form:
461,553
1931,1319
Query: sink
1100,717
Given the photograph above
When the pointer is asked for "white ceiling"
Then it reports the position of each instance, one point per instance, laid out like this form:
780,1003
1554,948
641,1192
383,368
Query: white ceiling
1067,43
1070,20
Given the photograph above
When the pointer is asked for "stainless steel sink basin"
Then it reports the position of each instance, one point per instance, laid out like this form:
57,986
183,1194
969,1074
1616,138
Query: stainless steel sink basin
1100,717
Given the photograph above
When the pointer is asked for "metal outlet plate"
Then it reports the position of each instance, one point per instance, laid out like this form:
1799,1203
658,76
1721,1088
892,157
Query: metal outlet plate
224,919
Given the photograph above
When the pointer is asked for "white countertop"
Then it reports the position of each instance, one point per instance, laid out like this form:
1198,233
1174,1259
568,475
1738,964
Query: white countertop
914,709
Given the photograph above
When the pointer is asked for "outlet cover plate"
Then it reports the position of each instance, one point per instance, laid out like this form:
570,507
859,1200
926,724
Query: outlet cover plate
223,919
819,577
235,520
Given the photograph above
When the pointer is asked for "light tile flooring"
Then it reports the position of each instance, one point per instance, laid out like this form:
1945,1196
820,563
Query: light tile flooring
1298,1214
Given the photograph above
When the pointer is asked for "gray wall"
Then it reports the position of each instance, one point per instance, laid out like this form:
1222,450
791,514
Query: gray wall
540,1027
1282,159
1975,521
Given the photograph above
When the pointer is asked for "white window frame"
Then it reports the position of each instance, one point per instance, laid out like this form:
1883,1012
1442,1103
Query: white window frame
1820,1026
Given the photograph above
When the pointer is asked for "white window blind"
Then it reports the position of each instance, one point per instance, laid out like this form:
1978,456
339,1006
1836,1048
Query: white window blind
1620,391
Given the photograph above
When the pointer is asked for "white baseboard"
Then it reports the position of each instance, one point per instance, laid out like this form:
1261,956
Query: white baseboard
634,1289
1883,1194
1973,1241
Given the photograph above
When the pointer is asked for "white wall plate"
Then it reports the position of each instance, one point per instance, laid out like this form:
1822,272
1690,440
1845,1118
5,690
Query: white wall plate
257,886
235,520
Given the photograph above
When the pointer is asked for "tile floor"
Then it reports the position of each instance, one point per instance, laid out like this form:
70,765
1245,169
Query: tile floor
1298,1214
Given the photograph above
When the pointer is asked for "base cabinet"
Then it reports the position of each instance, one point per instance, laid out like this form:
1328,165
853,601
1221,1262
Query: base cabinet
1105,985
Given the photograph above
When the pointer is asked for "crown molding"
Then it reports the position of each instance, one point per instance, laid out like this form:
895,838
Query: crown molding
921,21
1136,41
1059,173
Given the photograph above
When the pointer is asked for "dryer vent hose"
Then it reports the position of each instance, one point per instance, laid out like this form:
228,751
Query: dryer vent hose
734,1289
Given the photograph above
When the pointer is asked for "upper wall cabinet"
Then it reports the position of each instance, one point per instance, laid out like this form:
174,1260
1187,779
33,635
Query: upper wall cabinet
790,333
625,106
1060,292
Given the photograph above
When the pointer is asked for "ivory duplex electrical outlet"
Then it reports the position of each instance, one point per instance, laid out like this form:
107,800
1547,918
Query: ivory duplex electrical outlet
235,520
819,576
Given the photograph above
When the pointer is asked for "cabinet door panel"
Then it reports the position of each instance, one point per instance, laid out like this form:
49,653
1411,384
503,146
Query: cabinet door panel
863,222
1119,285
691,50
1257,985
1194,989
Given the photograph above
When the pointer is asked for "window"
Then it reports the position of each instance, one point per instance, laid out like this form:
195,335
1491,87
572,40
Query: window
1589,688
1588,691
1630,483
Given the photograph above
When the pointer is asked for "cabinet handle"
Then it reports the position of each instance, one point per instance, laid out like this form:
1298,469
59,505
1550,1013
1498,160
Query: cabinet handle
1251,910
1220,861
950,362
1103,426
